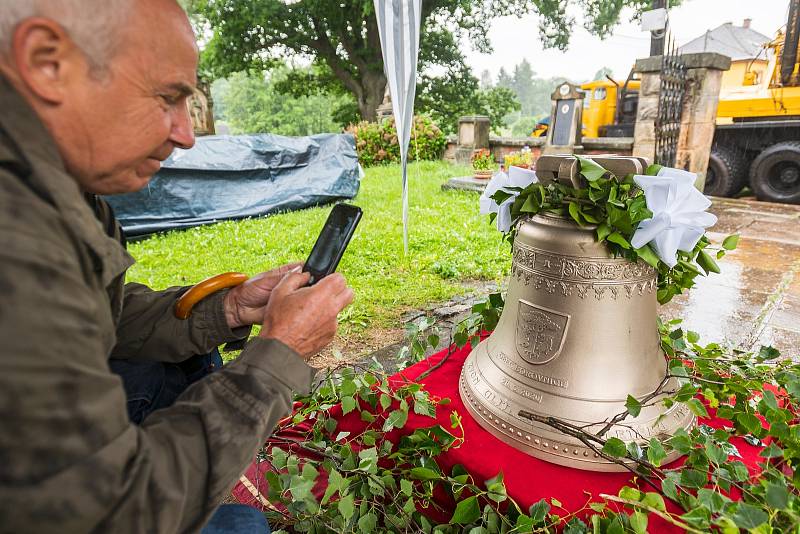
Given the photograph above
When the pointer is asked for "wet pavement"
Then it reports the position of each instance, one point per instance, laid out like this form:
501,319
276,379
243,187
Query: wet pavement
755,300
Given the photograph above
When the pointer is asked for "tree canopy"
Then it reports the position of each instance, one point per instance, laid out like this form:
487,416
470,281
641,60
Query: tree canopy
341,38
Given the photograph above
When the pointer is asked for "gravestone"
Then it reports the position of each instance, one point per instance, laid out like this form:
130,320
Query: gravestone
566,120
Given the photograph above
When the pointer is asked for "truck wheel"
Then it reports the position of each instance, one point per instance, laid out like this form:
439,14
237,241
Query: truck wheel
775,173
727,172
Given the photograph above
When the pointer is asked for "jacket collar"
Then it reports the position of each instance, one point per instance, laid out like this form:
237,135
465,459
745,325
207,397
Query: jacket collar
30,151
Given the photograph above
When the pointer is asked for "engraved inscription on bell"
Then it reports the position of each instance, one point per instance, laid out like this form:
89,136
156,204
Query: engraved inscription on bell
540,332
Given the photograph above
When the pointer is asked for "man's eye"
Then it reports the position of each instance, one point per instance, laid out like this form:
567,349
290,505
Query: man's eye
170,100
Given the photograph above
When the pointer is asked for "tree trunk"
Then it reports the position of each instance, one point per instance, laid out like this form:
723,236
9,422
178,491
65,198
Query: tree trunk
373,86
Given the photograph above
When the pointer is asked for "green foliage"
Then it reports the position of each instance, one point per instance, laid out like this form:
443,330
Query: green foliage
614,206
251,104
482,160
445,228
457,93
378,143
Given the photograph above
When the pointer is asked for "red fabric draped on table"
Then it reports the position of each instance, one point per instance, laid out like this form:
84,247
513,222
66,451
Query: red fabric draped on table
527,479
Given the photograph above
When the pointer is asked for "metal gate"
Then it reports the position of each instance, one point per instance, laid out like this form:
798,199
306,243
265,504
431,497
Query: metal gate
670,105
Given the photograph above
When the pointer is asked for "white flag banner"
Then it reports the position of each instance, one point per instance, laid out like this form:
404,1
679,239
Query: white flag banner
399,25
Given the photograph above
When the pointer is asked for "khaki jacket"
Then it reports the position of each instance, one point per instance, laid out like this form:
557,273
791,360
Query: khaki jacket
70,460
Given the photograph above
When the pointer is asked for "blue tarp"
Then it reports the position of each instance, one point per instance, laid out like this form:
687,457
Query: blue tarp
234,177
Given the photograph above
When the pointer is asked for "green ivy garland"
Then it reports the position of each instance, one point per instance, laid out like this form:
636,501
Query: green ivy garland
614,206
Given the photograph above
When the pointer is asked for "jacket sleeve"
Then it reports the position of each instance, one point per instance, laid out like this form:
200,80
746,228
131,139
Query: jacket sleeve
71,460
149,330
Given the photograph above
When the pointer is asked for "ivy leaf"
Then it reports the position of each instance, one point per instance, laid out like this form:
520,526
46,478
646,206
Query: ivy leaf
634,406
708,263
467,511
646,253
652,170
730,242
748,516
591,170
617,238
615,447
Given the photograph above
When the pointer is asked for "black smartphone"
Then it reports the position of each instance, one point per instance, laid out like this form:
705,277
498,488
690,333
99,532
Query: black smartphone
332,241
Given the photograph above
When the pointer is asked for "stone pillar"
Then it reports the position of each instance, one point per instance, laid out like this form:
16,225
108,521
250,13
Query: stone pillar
473,133
704,79
644,132
698,119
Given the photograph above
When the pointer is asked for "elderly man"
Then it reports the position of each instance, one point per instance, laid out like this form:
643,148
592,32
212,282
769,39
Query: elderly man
92,99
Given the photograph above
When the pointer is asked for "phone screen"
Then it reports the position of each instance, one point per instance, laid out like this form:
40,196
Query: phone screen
332,241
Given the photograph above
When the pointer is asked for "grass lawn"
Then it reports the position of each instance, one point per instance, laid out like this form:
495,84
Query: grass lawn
449,243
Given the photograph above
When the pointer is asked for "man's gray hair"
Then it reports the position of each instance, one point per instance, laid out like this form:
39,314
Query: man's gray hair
94,25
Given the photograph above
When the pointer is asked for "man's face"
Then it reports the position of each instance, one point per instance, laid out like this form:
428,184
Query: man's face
117,127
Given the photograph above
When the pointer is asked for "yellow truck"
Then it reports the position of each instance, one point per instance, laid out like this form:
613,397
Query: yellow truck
757,135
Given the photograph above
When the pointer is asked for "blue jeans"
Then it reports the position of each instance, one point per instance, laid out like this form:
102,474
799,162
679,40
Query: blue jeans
150,386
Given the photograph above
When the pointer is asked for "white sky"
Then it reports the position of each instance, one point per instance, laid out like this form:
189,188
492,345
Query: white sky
515,38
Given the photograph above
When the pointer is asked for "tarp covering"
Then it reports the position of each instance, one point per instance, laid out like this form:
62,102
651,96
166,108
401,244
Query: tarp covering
234,177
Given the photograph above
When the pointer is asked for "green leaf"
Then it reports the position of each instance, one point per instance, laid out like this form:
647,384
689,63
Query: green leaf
615,447
749,422
639,522
697,407
385,401
396,419
467,511
348,404
367,523
406,487
603,231
617,238
646,253
423,473
692,478
538,511
346,507
655,452
777,495
730,242
652,170
575,213
748,516
300,488
708,263
591,170
634,406
654,500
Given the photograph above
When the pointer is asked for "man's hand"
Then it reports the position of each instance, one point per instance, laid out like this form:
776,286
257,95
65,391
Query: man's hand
244,304
304,318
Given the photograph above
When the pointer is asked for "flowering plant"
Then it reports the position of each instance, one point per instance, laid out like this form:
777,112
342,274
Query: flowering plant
522,159
482,160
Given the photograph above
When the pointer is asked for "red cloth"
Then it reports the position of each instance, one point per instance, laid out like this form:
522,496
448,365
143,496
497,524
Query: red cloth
527,479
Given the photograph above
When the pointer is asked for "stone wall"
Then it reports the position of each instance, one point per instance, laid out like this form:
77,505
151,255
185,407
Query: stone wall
500,146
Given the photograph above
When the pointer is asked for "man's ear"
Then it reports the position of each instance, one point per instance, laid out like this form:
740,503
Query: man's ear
45,57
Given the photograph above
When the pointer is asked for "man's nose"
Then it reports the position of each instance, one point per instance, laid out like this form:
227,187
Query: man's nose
182,134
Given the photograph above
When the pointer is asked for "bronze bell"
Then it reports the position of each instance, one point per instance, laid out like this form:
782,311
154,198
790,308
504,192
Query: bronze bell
578,334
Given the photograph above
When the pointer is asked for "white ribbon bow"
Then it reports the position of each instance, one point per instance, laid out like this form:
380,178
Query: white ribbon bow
516,177
679,214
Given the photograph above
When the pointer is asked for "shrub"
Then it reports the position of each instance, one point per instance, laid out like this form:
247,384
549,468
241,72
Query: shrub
377,143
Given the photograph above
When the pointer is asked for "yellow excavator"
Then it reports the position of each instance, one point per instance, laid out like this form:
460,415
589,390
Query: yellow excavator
757,135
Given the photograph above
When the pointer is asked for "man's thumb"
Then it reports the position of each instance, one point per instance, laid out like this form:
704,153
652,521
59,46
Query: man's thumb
292,281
